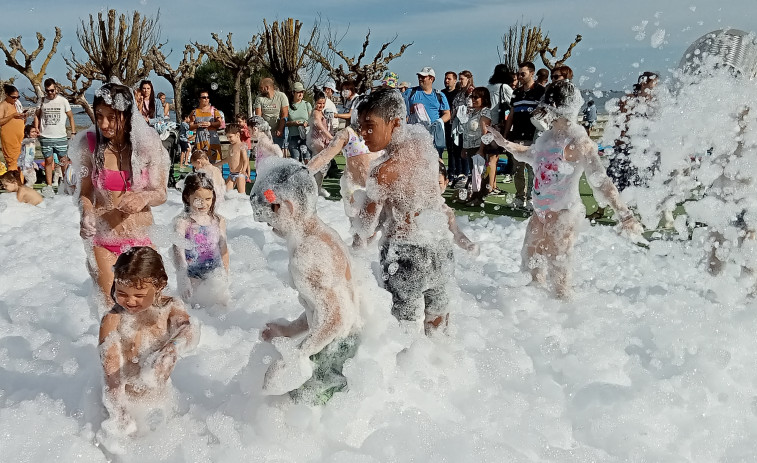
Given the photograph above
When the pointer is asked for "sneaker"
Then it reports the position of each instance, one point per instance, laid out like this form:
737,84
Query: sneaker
498,192
507,178
529,205
324,193
518,203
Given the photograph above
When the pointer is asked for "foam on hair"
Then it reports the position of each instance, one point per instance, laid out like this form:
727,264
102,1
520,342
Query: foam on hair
563,98
386,103
284,180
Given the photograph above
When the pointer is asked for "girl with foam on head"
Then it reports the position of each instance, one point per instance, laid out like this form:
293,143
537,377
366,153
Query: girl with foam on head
122,171
140,341
200,252
559,158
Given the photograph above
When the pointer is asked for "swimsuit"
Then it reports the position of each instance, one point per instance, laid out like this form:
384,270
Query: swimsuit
204,254
233,176
555,180
355,145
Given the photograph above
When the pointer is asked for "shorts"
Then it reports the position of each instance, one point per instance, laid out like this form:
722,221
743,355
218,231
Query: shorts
54,146
416,276
233,176
327,376
184,145
299,149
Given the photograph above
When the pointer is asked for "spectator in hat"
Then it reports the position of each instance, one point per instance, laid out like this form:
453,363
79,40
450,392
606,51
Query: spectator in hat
403,86
428,106
390,80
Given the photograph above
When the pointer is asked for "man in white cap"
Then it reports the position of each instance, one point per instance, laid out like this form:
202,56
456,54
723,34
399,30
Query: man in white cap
428,106
328,89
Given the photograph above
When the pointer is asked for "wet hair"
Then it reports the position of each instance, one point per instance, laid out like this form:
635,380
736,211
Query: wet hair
442,168
198,154
501,75
151,101
233,128
139,265
116,94
564,97
50,81
197,181
527,64
386,103
257,122
8,89
349,85
542,75
284,180
565,71
242,116
647,76
469,75
12,176
28,130
483,93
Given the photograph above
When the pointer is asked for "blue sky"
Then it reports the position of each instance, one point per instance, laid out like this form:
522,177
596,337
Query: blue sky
618,42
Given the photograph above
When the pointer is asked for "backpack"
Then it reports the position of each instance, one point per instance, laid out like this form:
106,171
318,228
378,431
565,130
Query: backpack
436,92
504,106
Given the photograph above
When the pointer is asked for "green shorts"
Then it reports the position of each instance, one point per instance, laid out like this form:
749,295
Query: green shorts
327,376
54,146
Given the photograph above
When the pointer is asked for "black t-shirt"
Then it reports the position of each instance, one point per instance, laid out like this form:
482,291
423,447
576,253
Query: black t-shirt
450,94
524,102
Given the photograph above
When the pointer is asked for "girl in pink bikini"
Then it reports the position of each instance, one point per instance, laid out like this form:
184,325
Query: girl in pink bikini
123,171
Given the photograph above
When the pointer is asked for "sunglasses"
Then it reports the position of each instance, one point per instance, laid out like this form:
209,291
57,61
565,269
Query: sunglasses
50,90
204,97
556,76
14,97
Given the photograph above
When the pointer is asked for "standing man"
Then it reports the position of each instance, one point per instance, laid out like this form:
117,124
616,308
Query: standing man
50,121
519,129
273,106
428,106
328,89
542,77
205,120
454,161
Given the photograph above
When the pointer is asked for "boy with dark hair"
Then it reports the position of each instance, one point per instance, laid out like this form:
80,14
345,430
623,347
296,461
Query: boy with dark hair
239,161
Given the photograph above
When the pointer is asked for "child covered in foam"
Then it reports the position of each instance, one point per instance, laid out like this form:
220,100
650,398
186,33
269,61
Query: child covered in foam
264,148
319,265
141,339
559,157
404,199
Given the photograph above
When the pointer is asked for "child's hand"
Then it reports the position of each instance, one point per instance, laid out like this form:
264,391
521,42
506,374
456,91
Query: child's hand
632,229
87,227
472,248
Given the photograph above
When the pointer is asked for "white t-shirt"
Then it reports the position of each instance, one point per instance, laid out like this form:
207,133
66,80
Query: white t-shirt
52,121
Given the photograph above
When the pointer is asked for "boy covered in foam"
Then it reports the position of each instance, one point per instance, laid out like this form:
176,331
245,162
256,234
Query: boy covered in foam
404,199
559,157
284,197
264,148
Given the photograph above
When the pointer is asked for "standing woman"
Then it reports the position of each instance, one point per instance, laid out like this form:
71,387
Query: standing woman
478,123
166,109
12,119
460,107
299,113
147,105
123,173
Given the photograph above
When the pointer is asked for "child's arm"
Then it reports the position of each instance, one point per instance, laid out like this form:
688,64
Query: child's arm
86,193
460,239
604,190
521,152
183,336
222,242
110,353
180,258
288,330
335,147
484,123
135,201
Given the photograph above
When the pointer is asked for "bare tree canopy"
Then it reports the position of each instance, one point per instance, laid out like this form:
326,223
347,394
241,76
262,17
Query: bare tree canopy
75,90
116,47
11,59
362,74
523,42
176,77
285,56
238,62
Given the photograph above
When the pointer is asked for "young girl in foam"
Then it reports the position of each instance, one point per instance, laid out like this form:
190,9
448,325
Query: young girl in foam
28,151
201,252
559,158
123,170
264,148
11,181
141,339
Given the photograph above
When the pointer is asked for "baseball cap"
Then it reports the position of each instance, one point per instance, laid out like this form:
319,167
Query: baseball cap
427,71
298,87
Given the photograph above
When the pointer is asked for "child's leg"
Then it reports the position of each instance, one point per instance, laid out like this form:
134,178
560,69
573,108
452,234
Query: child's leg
560,237
533,252
229,183
241,180
404,279
436,298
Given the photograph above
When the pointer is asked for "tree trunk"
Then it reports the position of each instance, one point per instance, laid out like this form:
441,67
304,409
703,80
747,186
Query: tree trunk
250,102
237,92
87,108
177,101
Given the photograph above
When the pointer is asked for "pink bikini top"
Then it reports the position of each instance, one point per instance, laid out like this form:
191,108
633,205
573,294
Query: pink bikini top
111,180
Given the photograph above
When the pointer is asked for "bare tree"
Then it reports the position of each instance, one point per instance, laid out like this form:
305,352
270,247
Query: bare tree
78,85
25,69
116,47
286,58
238,62
362,74
521,42
176,77
553,51
4,82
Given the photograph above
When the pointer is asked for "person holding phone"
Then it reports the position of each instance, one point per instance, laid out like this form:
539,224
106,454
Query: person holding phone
50,119
12,122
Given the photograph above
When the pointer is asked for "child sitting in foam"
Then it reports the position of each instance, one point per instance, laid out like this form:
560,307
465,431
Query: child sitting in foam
11,181
319,264
201,255
141,339
559,158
